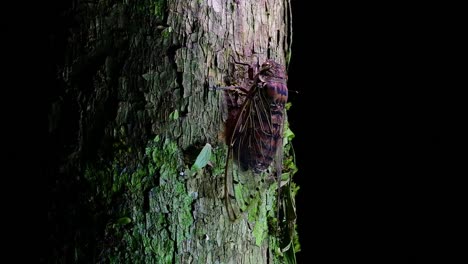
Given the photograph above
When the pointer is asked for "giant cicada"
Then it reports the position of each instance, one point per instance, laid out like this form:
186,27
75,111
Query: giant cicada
254,127
254,135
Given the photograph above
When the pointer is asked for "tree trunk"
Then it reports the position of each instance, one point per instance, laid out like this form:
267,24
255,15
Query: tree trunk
133,115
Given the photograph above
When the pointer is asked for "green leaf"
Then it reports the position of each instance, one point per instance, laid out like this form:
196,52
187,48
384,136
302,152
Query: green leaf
203,157
174,115
123,221
288,135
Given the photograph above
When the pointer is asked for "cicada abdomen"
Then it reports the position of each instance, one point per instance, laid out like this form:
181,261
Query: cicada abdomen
254,127
267,116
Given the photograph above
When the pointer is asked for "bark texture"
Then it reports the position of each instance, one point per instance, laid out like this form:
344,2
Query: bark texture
133,115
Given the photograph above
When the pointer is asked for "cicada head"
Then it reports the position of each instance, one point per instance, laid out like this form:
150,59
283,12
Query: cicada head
271,68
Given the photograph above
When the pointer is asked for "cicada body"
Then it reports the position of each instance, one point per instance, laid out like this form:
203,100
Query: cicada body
254,127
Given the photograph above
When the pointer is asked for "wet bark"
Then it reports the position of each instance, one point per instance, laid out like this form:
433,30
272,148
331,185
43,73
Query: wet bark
133,114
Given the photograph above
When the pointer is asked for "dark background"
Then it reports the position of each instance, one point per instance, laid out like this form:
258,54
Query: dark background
375,119
351,66
375,122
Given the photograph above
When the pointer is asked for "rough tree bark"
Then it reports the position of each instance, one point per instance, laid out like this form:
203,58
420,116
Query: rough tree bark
135,111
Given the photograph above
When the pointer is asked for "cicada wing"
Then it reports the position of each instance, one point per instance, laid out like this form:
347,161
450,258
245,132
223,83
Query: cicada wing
259,140
235,131
254,141
279,174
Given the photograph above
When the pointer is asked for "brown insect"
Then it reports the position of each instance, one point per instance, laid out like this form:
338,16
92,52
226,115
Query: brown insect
254,127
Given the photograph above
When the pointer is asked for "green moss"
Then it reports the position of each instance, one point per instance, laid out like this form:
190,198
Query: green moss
218,160
159,8
101,183
239,191
260,230
155,232
170,199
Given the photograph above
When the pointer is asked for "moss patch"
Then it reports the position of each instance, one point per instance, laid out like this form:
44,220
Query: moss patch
152,210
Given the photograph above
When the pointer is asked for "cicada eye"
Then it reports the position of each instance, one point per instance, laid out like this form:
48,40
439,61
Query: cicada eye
266,65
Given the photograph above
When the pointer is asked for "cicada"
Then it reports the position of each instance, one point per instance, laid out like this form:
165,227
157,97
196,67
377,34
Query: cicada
254,135
254,127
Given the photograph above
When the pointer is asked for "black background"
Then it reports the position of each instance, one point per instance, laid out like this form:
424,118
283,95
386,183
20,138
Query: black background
375,119
354,68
